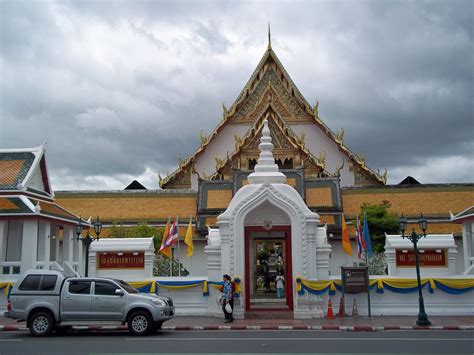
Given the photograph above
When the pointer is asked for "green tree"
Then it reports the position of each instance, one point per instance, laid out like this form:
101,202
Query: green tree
161,266
142,230
380,221
118,231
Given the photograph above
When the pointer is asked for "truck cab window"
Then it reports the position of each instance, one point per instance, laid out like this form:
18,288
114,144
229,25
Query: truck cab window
80,287
105,288
48,283
30,283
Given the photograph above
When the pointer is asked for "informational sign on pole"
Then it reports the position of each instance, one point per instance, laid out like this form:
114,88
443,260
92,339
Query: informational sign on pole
355,279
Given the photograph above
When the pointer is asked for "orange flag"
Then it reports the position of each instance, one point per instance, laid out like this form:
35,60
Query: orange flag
346,244
165,251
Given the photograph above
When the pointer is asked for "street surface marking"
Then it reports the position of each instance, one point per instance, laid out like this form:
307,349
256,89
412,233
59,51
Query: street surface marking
11,339
300,339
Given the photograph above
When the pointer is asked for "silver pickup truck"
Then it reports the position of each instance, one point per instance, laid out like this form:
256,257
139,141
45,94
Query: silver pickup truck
48,300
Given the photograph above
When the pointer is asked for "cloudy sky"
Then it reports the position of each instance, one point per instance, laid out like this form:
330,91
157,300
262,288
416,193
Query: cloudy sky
119,89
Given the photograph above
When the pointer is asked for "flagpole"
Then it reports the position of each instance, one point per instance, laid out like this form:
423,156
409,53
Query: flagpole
368,273
171,261
191,261
179,252
368,281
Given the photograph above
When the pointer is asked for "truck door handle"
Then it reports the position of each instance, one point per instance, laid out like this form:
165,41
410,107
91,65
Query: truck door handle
96,298
67,298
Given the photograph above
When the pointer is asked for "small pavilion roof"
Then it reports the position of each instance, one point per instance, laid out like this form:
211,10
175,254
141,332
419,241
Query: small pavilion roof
25,170
19,205
467,214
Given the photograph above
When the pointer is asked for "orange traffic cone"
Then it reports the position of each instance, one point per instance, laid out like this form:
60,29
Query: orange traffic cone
329,313
355,312
340,314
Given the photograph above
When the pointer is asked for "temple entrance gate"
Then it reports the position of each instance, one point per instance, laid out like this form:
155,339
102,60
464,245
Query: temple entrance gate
264,219
267,261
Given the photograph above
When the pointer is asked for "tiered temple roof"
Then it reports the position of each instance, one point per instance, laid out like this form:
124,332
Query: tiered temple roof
25,190
270,93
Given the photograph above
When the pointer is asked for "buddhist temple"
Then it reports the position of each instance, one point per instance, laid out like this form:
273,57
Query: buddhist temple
269,187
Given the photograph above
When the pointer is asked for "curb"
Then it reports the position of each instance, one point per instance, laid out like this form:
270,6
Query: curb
356,328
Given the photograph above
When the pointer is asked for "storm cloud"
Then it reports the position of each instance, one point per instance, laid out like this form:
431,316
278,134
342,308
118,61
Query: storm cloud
119,89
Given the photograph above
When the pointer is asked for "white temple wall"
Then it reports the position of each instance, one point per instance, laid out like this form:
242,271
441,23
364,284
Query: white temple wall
339,258
316,141
459,264
14,237
397,304
197,263
3,239
222,144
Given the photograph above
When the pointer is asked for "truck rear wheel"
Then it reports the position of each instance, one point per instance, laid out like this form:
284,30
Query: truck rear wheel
140,323
41,324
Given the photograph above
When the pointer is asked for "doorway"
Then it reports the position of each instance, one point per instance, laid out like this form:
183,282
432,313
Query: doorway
268,269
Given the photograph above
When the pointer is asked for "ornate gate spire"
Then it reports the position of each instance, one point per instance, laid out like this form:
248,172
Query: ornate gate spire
269,37
266,171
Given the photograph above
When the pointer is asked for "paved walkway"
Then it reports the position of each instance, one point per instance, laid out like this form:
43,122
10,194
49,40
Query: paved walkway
344,324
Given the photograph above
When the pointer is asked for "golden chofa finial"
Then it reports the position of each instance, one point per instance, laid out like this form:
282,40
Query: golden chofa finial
203,137
338,170
340,136
238,141
181,162
269,37
361,159
160,180
219,162
224,109
316,109
301,138
321,159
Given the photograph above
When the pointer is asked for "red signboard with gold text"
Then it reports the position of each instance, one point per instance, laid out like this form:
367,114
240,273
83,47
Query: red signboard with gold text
117,260
428,258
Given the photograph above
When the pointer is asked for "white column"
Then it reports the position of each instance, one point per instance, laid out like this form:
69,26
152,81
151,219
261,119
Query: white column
29,246
214,265
47,244
68,245
80,257
466,245
3,240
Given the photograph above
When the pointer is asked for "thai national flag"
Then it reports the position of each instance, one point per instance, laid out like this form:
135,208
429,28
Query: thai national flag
172,236
360,239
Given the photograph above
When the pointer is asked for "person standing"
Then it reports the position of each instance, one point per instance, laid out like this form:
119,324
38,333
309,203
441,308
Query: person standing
280,282
228,298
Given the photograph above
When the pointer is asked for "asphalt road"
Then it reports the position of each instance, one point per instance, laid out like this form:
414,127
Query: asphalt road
419,342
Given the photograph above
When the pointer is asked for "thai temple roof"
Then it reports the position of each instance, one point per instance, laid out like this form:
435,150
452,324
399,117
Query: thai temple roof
24,170
25,190
308,114
467,214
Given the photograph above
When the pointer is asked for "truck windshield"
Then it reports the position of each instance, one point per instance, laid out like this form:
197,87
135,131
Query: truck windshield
127,287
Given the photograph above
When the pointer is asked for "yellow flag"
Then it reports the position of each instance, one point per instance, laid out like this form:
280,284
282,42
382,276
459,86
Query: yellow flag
163,250
346,244
188,240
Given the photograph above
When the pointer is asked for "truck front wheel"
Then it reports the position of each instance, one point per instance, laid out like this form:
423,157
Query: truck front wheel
41,324
140,323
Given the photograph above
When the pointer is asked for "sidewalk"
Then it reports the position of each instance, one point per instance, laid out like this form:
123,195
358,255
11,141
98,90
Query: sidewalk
342,324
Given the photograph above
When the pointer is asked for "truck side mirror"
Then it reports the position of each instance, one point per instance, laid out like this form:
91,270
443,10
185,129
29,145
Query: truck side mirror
119,292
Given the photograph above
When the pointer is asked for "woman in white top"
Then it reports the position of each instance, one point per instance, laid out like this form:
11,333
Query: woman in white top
280,280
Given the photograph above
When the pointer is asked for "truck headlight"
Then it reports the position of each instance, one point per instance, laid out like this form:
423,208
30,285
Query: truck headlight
159,302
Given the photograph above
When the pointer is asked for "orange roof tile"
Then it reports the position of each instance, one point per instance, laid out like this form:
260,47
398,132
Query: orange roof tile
435,200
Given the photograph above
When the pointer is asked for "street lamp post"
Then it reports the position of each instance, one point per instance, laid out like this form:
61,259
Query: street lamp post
88,239
414,238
